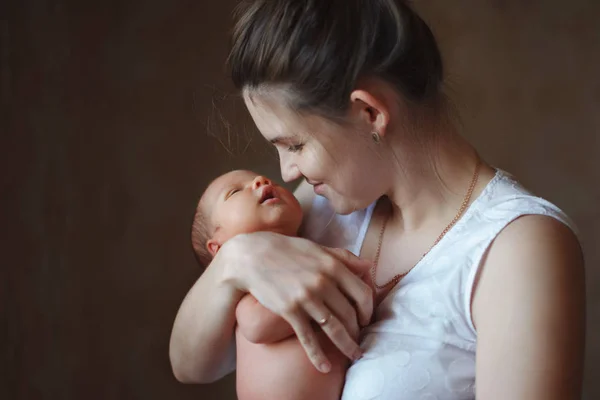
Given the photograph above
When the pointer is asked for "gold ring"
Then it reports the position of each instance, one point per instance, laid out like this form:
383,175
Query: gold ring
323,321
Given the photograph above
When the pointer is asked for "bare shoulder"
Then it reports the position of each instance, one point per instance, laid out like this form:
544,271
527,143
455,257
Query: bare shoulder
531,251
529,311
541,230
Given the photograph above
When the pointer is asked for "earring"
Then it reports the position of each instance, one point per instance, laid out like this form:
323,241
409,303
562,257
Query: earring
375,136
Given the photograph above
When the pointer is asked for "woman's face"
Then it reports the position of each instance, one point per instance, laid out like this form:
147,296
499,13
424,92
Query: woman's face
343,163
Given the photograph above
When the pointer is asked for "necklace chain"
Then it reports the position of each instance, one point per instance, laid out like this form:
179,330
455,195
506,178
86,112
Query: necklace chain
396,278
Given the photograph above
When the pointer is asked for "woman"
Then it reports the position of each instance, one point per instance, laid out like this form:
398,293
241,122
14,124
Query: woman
475,279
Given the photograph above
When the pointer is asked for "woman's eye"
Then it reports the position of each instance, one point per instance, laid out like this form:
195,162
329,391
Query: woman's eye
295,148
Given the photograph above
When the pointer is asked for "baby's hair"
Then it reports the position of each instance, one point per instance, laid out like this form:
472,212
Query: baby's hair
201,234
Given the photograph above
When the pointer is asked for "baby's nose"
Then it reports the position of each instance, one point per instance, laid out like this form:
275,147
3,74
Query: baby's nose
260,181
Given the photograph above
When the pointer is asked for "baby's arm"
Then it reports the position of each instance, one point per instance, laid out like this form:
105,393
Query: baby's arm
258,324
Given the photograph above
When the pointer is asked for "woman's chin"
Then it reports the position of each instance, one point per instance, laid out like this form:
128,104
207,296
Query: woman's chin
344,206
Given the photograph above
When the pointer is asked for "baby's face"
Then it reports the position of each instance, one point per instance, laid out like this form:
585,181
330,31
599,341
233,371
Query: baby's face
244,202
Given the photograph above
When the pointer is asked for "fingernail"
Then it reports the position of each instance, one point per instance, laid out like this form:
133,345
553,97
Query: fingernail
358,355
325,367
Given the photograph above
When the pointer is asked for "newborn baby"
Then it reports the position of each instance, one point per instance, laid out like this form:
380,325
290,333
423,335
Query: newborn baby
271,362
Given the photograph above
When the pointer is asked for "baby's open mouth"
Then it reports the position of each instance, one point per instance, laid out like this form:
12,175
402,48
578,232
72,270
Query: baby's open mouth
267,194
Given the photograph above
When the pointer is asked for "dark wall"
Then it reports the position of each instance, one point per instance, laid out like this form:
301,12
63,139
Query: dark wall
114,115
112,111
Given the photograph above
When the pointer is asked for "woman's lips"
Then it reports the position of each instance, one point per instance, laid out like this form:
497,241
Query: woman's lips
319,188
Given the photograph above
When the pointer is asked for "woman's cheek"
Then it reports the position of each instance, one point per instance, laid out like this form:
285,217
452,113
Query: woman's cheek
311,165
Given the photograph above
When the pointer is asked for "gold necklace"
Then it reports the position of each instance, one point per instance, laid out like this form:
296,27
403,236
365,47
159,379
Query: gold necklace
396,278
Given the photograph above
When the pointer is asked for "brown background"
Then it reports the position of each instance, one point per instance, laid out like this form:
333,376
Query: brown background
115,114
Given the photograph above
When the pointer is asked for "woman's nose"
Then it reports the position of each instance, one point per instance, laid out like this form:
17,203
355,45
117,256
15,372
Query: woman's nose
260,181
289,170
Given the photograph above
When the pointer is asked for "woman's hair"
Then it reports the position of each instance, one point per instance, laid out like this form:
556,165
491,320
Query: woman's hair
317,50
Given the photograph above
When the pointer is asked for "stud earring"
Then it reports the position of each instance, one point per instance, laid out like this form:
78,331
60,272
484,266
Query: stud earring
375,136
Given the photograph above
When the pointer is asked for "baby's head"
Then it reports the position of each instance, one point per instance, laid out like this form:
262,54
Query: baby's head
241,202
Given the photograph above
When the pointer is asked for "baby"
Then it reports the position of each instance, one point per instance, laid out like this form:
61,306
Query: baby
271,362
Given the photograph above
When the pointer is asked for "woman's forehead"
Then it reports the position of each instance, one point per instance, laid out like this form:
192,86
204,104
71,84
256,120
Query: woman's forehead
274,118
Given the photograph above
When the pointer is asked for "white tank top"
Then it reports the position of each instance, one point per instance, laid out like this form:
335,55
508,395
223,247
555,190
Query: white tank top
422,342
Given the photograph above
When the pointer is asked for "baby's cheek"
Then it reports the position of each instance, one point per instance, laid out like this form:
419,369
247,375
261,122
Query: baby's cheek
240,222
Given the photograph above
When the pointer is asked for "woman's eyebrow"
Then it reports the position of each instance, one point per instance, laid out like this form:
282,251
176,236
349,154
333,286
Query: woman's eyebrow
282,139
278,139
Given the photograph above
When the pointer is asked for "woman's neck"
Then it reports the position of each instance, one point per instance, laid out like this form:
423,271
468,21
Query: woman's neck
432,188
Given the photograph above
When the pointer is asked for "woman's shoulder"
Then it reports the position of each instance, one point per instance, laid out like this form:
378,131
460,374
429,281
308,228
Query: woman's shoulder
534,222
505,199
529,304
536,243
535,235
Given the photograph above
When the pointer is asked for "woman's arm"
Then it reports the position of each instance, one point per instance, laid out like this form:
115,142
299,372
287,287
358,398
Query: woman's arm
293,277
529,310
258,324
202,346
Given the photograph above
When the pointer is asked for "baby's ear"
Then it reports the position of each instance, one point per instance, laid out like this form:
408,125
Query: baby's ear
213,247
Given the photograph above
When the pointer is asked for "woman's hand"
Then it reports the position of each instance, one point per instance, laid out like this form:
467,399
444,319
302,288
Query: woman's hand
303,282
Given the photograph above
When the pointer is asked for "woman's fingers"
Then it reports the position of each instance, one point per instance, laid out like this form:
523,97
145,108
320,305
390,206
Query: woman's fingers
359,292
352,286
301,281
341,308
309,341
357,265
334,329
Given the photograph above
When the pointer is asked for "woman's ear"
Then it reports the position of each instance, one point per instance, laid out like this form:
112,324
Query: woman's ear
372,110
213,247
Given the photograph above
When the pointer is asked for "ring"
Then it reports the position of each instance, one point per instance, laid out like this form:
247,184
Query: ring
323,321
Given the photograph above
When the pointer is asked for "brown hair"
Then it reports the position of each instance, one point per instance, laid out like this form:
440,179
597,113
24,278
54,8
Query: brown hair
317,50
